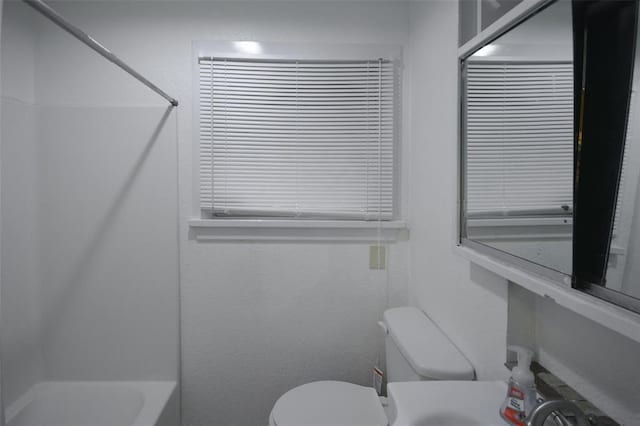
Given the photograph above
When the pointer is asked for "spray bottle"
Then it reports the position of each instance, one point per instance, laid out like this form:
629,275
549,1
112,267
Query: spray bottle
521,393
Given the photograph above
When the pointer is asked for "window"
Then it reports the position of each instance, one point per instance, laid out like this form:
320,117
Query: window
297,138
519,139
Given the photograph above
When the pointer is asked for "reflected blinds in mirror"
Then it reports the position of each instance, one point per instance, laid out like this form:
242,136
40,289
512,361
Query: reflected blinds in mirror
297,138
519,120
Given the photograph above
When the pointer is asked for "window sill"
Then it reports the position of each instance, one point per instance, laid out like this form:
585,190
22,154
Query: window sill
520,221
296,230
506,229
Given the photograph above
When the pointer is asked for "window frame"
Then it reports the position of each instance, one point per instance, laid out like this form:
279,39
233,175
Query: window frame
242,227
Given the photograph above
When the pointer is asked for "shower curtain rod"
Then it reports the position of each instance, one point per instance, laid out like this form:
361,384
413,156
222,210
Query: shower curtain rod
54,16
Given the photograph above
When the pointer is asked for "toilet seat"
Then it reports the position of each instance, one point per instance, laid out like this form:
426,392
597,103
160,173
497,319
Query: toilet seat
328,403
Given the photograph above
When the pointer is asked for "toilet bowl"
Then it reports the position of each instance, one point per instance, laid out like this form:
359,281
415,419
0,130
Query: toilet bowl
416,349
329,403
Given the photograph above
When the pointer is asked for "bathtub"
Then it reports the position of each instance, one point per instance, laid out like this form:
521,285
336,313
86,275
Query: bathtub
96,404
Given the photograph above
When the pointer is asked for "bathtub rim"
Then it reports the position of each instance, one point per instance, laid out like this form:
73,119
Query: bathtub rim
156,396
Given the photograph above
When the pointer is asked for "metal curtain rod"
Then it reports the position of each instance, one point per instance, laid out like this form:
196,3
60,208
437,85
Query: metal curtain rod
54,16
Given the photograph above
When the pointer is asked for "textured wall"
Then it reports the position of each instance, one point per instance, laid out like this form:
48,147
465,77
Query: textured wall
257,318
21,344
1,371
598,362
89,224
108,255
20,314
470,304
466,301
260,318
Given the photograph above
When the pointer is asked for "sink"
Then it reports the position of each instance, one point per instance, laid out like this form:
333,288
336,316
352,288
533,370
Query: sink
446,403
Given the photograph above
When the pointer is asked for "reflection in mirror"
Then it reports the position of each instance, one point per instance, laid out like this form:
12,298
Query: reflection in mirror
623,268
491,10
518,141
624,251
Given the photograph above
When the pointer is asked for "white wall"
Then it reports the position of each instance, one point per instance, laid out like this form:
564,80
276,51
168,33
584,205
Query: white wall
257,318
109,264
18,53
89,223
467,302
1,369
598,362
22,354
20,314
471,304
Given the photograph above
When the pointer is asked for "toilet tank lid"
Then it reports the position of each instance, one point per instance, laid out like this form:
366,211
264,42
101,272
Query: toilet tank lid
429,351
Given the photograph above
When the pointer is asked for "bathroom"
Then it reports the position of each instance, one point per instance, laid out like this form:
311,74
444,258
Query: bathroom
112,271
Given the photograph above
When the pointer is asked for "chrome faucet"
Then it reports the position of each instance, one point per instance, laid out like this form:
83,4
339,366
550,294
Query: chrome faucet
552,408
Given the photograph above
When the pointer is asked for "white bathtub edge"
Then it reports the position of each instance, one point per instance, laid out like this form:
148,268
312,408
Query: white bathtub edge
159,406
158,399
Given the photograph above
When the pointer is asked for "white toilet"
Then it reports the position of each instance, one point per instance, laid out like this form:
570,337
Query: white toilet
416,349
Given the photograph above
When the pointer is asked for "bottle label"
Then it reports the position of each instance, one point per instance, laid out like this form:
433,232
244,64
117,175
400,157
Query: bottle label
513,416
514,410
514,392
516,403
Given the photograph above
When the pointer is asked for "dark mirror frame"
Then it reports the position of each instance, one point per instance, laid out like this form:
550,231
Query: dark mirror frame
604,44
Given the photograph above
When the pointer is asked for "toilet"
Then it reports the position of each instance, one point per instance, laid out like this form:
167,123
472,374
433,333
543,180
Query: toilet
416,349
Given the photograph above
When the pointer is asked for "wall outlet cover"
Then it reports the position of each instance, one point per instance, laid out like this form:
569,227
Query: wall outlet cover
377,257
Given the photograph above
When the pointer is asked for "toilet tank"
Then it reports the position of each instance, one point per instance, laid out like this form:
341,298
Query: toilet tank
416,349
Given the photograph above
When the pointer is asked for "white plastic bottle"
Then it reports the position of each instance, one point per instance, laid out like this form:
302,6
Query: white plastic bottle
521,394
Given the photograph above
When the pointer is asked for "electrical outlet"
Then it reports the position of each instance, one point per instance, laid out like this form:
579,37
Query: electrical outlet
377,257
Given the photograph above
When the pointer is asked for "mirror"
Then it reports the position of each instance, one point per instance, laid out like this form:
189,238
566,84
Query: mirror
623,268
517,141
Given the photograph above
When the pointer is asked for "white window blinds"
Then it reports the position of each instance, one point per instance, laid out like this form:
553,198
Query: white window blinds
519,138
297,138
